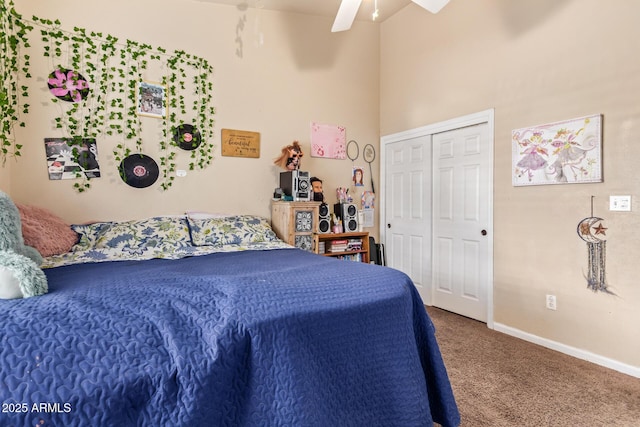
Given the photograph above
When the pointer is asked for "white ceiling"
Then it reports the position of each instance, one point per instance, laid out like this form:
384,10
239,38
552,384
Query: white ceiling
386,8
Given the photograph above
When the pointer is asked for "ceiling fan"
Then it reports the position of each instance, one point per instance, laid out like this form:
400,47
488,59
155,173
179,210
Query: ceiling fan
349,8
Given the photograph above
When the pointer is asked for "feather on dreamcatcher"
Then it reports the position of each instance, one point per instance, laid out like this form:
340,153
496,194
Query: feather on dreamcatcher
593,231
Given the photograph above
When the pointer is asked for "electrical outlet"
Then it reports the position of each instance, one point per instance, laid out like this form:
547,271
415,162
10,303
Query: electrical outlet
551,302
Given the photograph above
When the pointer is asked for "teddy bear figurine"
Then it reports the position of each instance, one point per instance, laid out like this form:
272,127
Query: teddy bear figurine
20,274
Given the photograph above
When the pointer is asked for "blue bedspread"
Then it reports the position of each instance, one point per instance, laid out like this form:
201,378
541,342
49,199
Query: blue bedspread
255,338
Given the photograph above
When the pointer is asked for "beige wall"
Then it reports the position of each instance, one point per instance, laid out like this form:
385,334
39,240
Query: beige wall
536,62
5,176
299,74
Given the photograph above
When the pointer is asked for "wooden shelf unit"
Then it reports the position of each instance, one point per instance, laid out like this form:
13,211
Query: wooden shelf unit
363,253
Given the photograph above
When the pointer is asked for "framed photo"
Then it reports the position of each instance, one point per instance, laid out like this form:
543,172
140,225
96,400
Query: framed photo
151,99
565,152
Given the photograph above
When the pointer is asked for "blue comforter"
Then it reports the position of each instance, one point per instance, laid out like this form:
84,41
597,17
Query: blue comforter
255,338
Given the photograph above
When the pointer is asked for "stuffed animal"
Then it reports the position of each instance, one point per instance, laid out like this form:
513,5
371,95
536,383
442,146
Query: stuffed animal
20,274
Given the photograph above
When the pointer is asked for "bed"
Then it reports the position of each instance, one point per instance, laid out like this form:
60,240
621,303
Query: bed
180,321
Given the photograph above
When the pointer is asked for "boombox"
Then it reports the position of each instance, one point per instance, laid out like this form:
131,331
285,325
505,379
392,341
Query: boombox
324,219
296,184
348,213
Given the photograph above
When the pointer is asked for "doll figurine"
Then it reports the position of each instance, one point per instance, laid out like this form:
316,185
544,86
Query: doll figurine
290,157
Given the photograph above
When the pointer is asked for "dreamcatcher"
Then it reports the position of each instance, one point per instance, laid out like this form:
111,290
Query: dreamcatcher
592,231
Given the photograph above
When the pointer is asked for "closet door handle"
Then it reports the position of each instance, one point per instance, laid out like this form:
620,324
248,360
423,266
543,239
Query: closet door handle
483,232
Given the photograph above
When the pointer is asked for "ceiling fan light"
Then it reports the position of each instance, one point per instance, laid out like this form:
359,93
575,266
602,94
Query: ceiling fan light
432,6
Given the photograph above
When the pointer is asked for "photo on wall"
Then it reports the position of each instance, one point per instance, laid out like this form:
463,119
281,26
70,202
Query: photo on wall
357,176
66,162
151,99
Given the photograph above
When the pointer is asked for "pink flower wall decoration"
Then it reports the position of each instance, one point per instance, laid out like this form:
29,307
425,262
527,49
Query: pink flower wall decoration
68,85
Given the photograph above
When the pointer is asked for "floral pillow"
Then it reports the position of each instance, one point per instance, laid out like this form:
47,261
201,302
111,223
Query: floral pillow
90,233
230,230
158,233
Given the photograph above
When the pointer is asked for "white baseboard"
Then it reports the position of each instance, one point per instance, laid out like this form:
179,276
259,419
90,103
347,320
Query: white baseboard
634,371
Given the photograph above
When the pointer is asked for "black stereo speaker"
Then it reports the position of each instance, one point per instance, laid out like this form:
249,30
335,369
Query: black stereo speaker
324,218
296,184
348,213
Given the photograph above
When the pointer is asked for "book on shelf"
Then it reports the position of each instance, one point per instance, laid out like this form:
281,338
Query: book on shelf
351,257
343,245
354,245
338,245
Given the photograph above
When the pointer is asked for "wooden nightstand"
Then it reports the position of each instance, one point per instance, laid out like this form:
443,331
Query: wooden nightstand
295,222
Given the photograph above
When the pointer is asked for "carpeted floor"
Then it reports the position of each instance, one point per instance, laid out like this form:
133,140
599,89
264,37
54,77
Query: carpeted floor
502,381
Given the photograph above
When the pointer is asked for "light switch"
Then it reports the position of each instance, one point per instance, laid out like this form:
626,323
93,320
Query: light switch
620,203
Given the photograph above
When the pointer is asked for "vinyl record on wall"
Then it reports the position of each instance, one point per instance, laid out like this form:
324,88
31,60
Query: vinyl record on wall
139,170
68,85
187,137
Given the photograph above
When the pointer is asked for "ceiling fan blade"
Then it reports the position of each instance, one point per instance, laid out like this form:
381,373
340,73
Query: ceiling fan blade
346,15
432,6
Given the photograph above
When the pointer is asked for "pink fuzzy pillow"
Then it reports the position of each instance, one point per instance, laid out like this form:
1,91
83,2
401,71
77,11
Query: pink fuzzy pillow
45,231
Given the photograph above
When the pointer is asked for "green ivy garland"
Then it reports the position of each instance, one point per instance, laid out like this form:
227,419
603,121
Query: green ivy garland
202,108
13,64
112,71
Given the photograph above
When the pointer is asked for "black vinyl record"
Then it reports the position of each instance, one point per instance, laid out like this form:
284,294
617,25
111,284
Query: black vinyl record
187,137
139,170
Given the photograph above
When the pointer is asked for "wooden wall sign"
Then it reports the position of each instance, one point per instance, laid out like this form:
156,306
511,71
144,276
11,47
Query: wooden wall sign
240,143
